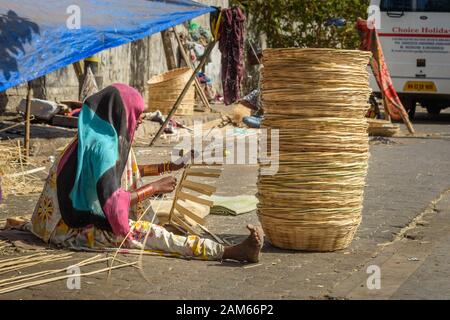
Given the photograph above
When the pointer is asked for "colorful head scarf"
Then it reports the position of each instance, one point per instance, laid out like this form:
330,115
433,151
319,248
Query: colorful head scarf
90,172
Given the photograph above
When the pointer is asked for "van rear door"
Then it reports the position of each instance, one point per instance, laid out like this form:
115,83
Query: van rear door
415,35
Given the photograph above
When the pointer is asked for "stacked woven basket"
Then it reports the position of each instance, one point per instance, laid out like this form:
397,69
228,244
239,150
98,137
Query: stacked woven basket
164,89
317,99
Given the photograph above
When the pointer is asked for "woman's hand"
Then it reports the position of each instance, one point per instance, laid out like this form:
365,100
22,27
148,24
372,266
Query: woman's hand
184,161
157,169
165,185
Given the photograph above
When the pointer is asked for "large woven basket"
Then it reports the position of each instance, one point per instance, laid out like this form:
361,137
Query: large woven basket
164,89
317,99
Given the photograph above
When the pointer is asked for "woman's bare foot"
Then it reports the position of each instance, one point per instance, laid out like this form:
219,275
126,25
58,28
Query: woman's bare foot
248,250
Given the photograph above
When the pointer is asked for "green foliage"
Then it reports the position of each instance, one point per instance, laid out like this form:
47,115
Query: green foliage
301,23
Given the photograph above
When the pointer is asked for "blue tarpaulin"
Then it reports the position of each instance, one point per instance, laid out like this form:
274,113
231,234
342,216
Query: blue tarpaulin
38,37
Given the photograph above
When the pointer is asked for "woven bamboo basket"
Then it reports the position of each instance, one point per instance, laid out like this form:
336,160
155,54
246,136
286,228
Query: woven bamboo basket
317,99
164,89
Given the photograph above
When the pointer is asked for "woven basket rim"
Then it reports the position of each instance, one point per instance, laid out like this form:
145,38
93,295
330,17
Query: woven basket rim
168,76
332,50
278,53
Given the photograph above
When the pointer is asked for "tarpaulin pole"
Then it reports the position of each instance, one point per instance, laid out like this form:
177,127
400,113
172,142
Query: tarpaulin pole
185,90
27,122
168,50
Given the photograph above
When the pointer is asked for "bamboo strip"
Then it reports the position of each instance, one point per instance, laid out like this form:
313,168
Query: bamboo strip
24,173
22,257
204,172
31,264
186,196
14,169
188,213
40,282
28,277
183,224
31,258
199,187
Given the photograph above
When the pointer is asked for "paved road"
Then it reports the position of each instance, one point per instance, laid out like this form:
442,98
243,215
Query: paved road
405,177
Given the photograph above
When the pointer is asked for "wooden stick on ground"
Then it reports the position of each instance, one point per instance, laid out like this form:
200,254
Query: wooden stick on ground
20,160
16,125
24,173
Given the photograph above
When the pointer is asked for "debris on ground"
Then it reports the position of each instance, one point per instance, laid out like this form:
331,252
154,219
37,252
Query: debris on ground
381,140
18,175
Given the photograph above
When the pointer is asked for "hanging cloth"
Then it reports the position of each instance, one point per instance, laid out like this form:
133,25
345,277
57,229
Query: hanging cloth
231,45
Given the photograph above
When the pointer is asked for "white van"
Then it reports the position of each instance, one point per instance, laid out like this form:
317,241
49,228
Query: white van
415,36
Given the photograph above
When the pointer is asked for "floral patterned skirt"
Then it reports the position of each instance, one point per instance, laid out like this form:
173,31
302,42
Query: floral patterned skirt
47,224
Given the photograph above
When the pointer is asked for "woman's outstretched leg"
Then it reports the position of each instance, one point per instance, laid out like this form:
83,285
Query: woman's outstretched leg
193,246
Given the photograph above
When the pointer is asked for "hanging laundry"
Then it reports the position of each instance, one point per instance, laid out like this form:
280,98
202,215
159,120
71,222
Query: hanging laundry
231,45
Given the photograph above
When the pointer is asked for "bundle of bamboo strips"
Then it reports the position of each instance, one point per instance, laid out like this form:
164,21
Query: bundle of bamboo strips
15,264
4,244
17,173
317,99
25,281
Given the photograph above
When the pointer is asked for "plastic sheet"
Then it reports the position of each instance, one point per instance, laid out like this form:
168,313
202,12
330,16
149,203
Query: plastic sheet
39,37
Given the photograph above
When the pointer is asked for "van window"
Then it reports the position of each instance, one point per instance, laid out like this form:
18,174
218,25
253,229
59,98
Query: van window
396,5
415,5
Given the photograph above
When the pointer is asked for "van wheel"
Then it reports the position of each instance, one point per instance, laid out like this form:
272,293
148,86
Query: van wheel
434,110
410,107
412,111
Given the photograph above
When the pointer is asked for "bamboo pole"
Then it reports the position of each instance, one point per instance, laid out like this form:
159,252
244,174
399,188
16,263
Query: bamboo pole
168,50
403,113
185,90
197,84
407,122
20,161
15,125
27,122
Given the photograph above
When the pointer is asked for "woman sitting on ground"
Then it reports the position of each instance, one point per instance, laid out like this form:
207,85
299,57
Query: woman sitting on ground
93,189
